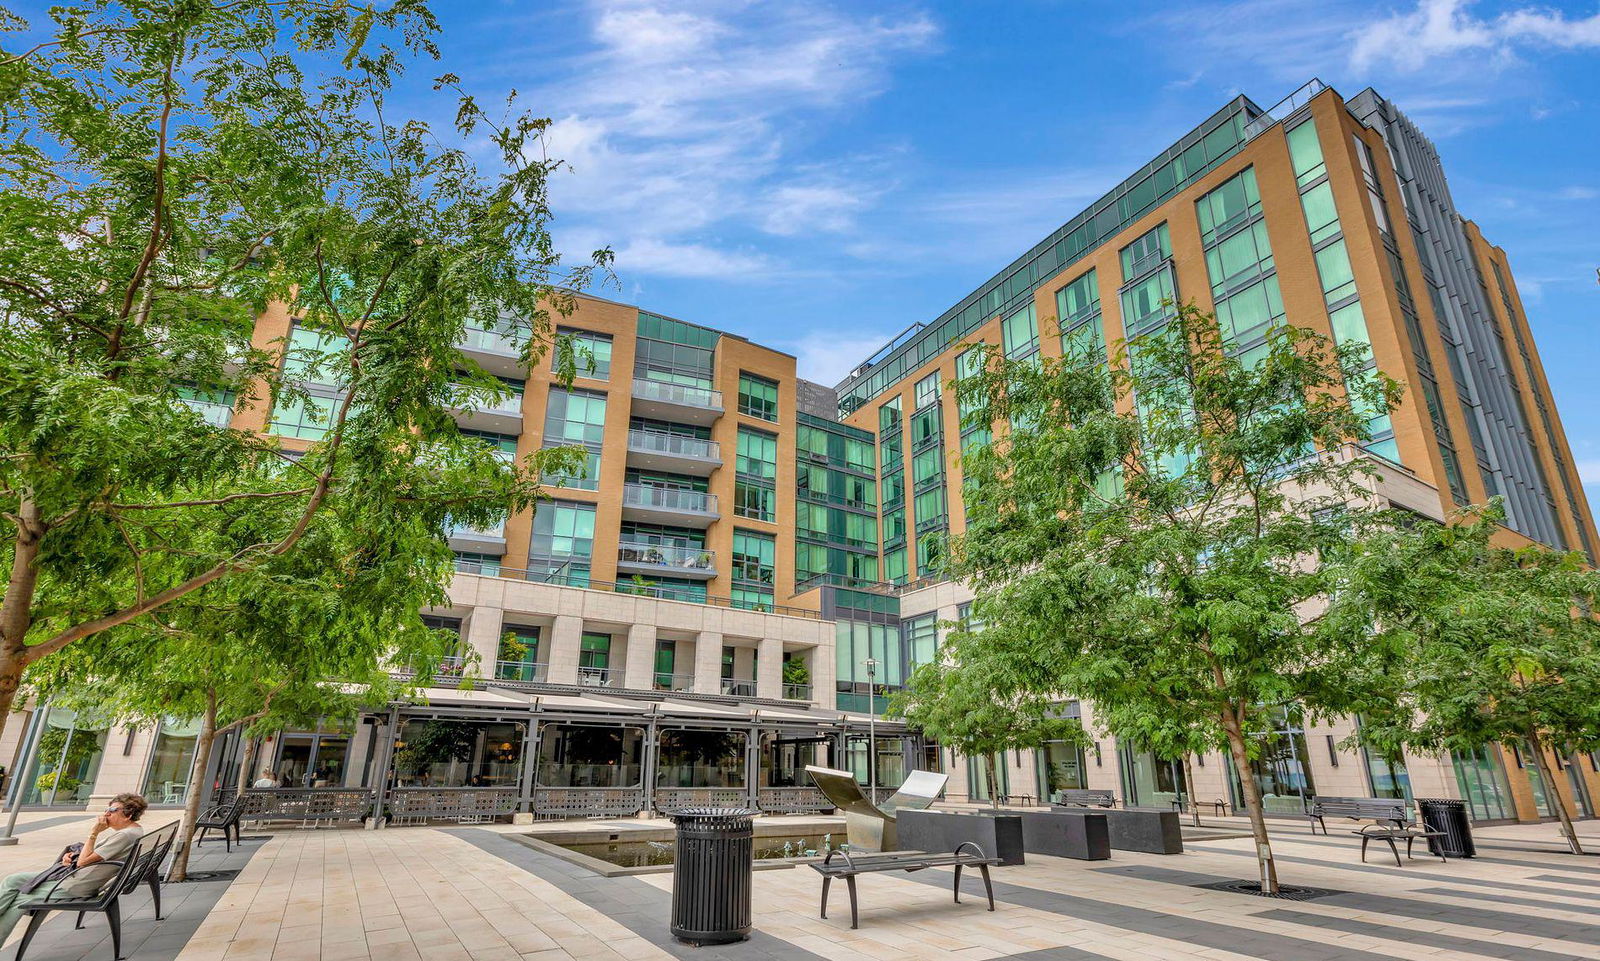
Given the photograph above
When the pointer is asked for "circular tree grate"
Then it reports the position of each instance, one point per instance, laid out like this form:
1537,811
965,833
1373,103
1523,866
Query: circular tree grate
228,875
1286,892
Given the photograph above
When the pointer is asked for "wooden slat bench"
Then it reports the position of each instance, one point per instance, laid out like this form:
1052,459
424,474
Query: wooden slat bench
851,865
1083,797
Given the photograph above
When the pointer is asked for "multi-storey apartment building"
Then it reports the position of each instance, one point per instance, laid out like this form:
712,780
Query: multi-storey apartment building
750,562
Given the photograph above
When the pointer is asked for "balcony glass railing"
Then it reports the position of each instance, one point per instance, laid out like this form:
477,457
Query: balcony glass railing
797,692
654,442
668,498
674,682
520,671
660,555
738,687
595,676
511,405
676,393
469,532
494,341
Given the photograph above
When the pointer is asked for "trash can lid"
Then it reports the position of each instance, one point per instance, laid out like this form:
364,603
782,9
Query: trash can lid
709,813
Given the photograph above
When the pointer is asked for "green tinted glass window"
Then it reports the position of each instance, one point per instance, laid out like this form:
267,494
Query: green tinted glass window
1305,152
758,397
590,352
1020,333
758,454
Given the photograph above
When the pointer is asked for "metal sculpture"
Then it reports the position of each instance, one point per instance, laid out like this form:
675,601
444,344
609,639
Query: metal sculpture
871,827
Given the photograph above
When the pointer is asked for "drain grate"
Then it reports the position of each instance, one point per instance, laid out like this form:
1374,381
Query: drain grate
228,875
1286,892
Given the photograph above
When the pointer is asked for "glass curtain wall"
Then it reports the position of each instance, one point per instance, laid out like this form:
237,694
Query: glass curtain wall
1149,781
1281,769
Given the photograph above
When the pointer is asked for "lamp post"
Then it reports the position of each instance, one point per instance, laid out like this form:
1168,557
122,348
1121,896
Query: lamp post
872,729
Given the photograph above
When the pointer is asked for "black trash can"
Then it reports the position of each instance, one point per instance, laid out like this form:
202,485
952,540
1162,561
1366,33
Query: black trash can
1449,816
711,875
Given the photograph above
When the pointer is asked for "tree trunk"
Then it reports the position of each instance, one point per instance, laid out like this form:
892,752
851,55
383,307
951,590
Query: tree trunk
247,764
1188,787
1553,791
1252,803
191,802
16,610
994,781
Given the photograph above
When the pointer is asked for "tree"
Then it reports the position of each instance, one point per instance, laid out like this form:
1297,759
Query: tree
310,634
170,172
1502,646
1156,533
964,701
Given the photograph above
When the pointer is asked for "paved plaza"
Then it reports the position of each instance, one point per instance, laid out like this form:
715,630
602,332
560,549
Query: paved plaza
451,894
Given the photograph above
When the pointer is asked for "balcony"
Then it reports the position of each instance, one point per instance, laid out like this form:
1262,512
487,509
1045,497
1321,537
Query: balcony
797,692
666,561
497,351
668,505
676,402
503,416
672,453
478,541
738,687
521,671
679,683
597,677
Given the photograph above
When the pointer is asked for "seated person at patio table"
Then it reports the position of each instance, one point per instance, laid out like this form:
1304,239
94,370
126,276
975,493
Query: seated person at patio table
267,779
112,836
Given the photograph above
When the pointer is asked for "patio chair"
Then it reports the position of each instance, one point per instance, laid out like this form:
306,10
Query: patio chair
104,901
222,817
869,826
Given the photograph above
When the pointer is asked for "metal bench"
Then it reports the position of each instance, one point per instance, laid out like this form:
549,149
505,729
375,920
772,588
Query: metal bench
1383,810
1084,798
131,872
852,865
1390,816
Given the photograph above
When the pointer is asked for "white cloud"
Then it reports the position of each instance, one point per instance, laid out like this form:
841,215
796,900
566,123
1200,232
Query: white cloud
1588,471
1578,193
1444,28
668,259
684,122
826,356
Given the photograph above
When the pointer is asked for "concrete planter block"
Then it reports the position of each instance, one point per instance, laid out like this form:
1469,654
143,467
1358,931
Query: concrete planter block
1000,835
1086,837
1150,832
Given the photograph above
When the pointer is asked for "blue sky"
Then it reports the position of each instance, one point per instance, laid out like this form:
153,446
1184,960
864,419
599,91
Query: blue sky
817,175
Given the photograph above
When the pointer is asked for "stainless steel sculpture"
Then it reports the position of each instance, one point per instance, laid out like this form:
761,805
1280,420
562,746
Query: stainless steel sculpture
869,826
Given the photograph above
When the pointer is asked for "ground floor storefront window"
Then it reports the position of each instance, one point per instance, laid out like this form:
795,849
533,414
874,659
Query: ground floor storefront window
697,758
1149,781
167,781
66,761
1387,777
1061,767
784,758
439,752
1281,767
1481,776
590,755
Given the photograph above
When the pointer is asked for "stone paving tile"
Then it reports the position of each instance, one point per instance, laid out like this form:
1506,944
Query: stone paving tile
474,895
